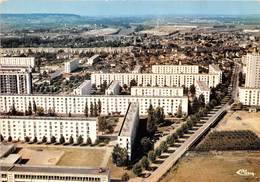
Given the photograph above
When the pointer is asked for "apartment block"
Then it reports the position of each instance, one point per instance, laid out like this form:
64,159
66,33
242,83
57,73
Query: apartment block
19,127
127,134
74,104
15,80
33,173
156,91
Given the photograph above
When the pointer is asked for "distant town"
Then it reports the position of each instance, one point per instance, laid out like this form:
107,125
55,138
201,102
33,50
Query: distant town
136,100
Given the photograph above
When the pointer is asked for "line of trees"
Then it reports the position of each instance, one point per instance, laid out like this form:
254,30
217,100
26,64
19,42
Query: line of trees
94,110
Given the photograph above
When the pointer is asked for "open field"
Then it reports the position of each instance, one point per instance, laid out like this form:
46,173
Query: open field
249,121
216,167
63,156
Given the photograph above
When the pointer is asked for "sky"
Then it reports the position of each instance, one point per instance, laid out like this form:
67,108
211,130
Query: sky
133,7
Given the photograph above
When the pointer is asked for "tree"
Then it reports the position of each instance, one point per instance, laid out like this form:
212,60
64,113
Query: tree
159,115
40,111
125,177
179,112
34,107
44,139
120,156
146,144
151,156
195,105
170,140
201,100
80,140
95,109
13,110
30,108
145,162
137,169
35,140
62,139
86,109
192,89
26,139
102,124
125,87
163,146
89,142
99,107
53,139
185,128
71,140
91,109
9,139
69,114
133,83
158,152
180,132
1,138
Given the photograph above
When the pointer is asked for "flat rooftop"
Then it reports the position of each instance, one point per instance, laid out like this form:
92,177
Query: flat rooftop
53,169
129,122
5,148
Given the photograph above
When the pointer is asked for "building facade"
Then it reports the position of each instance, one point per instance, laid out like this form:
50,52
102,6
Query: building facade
113,88
175,69
25,173
15,80
252,70
19,127
17,61
65,104
249,96
156,79
71,65
127,134
157,91
202,88
84,89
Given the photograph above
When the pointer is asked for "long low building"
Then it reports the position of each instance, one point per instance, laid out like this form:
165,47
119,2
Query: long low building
249,96
127,134
19,127
25,173
17,61
173,69
74,104
157,91
156,79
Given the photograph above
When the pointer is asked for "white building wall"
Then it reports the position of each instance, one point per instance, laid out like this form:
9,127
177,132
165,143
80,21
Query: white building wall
71,65
84,88
64,104
20,127
173,69
18,61
156,91
153,79
249,96
252,70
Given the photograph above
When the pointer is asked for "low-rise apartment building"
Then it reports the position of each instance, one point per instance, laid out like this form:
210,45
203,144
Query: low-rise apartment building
84,89
71,65
157,79
74,104
25,173
175,69
113,88
19,127
156,91
17,61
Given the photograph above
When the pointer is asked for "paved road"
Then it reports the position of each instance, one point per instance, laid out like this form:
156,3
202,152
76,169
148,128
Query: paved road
174,157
